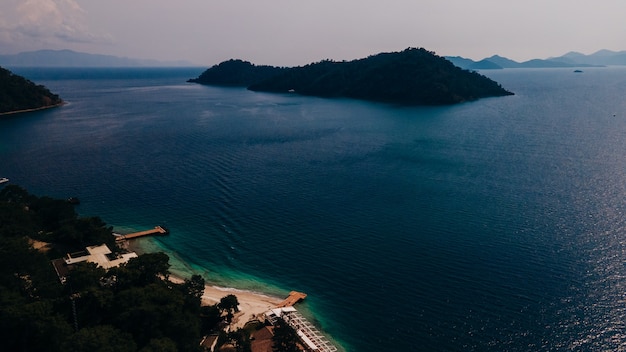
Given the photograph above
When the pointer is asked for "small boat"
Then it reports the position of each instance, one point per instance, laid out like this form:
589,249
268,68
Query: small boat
4,180
578,71
73,200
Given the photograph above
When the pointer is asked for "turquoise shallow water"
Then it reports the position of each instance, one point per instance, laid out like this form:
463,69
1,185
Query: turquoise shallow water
494,225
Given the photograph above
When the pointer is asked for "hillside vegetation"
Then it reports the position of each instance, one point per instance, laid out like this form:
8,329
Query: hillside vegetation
17,94
413,76
237,73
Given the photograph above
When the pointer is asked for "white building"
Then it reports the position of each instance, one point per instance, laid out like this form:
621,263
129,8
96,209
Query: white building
101,255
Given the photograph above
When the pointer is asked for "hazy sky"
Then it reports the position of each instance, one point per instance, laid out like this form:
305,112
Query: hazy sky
297,32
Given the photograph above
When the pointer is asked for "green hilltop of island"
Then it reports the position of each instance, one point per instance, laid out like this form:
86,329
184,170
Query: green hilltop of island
413,76
18,94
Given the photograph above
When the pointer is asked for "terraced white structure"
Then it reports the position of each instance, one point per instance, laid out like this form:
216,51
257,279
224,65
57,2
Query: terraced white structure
308,333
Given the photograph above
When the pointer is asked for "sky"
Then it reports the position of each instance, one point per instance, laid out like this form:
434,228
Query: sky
298,32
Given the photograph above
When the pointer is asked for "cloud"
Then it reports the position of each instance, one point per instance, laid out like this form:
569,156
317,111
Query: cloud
32,24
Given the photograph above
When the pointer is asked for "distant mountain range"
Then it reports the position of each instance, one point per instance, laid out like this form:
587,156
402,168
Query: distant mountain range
571,59
69,58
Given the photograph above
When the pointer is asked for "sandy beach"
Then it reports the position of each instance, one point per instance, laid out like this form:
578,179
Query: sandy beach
251,304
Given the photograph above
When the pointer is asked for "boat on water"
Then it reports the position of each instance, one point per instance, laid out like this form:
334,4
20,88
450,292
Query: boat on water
3,180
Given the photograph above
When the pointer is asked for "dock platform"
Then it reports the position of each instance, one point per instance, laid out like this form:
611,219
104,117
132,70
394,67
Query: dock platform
157,230
294,297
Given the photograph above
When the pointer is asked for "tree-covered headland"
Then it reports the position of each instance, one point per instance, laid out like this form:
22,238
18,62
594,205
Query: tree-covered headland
132,307
414,76
18,94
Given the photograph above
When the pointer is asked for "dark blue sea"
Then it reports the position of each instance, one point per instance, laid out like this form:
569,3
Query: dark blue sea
496,225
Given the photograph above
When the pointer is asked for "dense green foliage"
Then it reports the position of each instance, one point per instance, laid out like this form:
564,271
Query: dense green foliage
413,76
127,308
236,73
229,304
285,338
49,220
17,93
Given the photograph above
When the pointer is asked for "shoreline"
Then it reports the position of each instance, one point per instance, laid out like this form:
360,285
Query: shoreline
15,112
253,301
251,304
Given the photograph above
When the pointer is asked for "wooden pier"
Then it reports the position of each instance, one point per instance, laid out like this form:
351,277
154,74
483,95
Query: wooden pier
157,230
294,297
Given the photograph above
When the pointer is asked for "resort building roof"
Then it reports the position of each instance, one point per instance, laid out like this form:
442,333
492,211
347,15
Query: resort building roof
101,255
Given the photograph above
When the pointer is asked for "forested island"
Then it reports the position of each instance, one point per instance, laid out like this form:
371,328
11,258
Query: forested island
414,76
18,94
130,307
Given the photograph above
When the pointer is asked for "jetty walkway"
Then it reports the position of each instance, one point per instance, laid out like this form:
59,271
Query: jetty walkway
294,297
157,230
